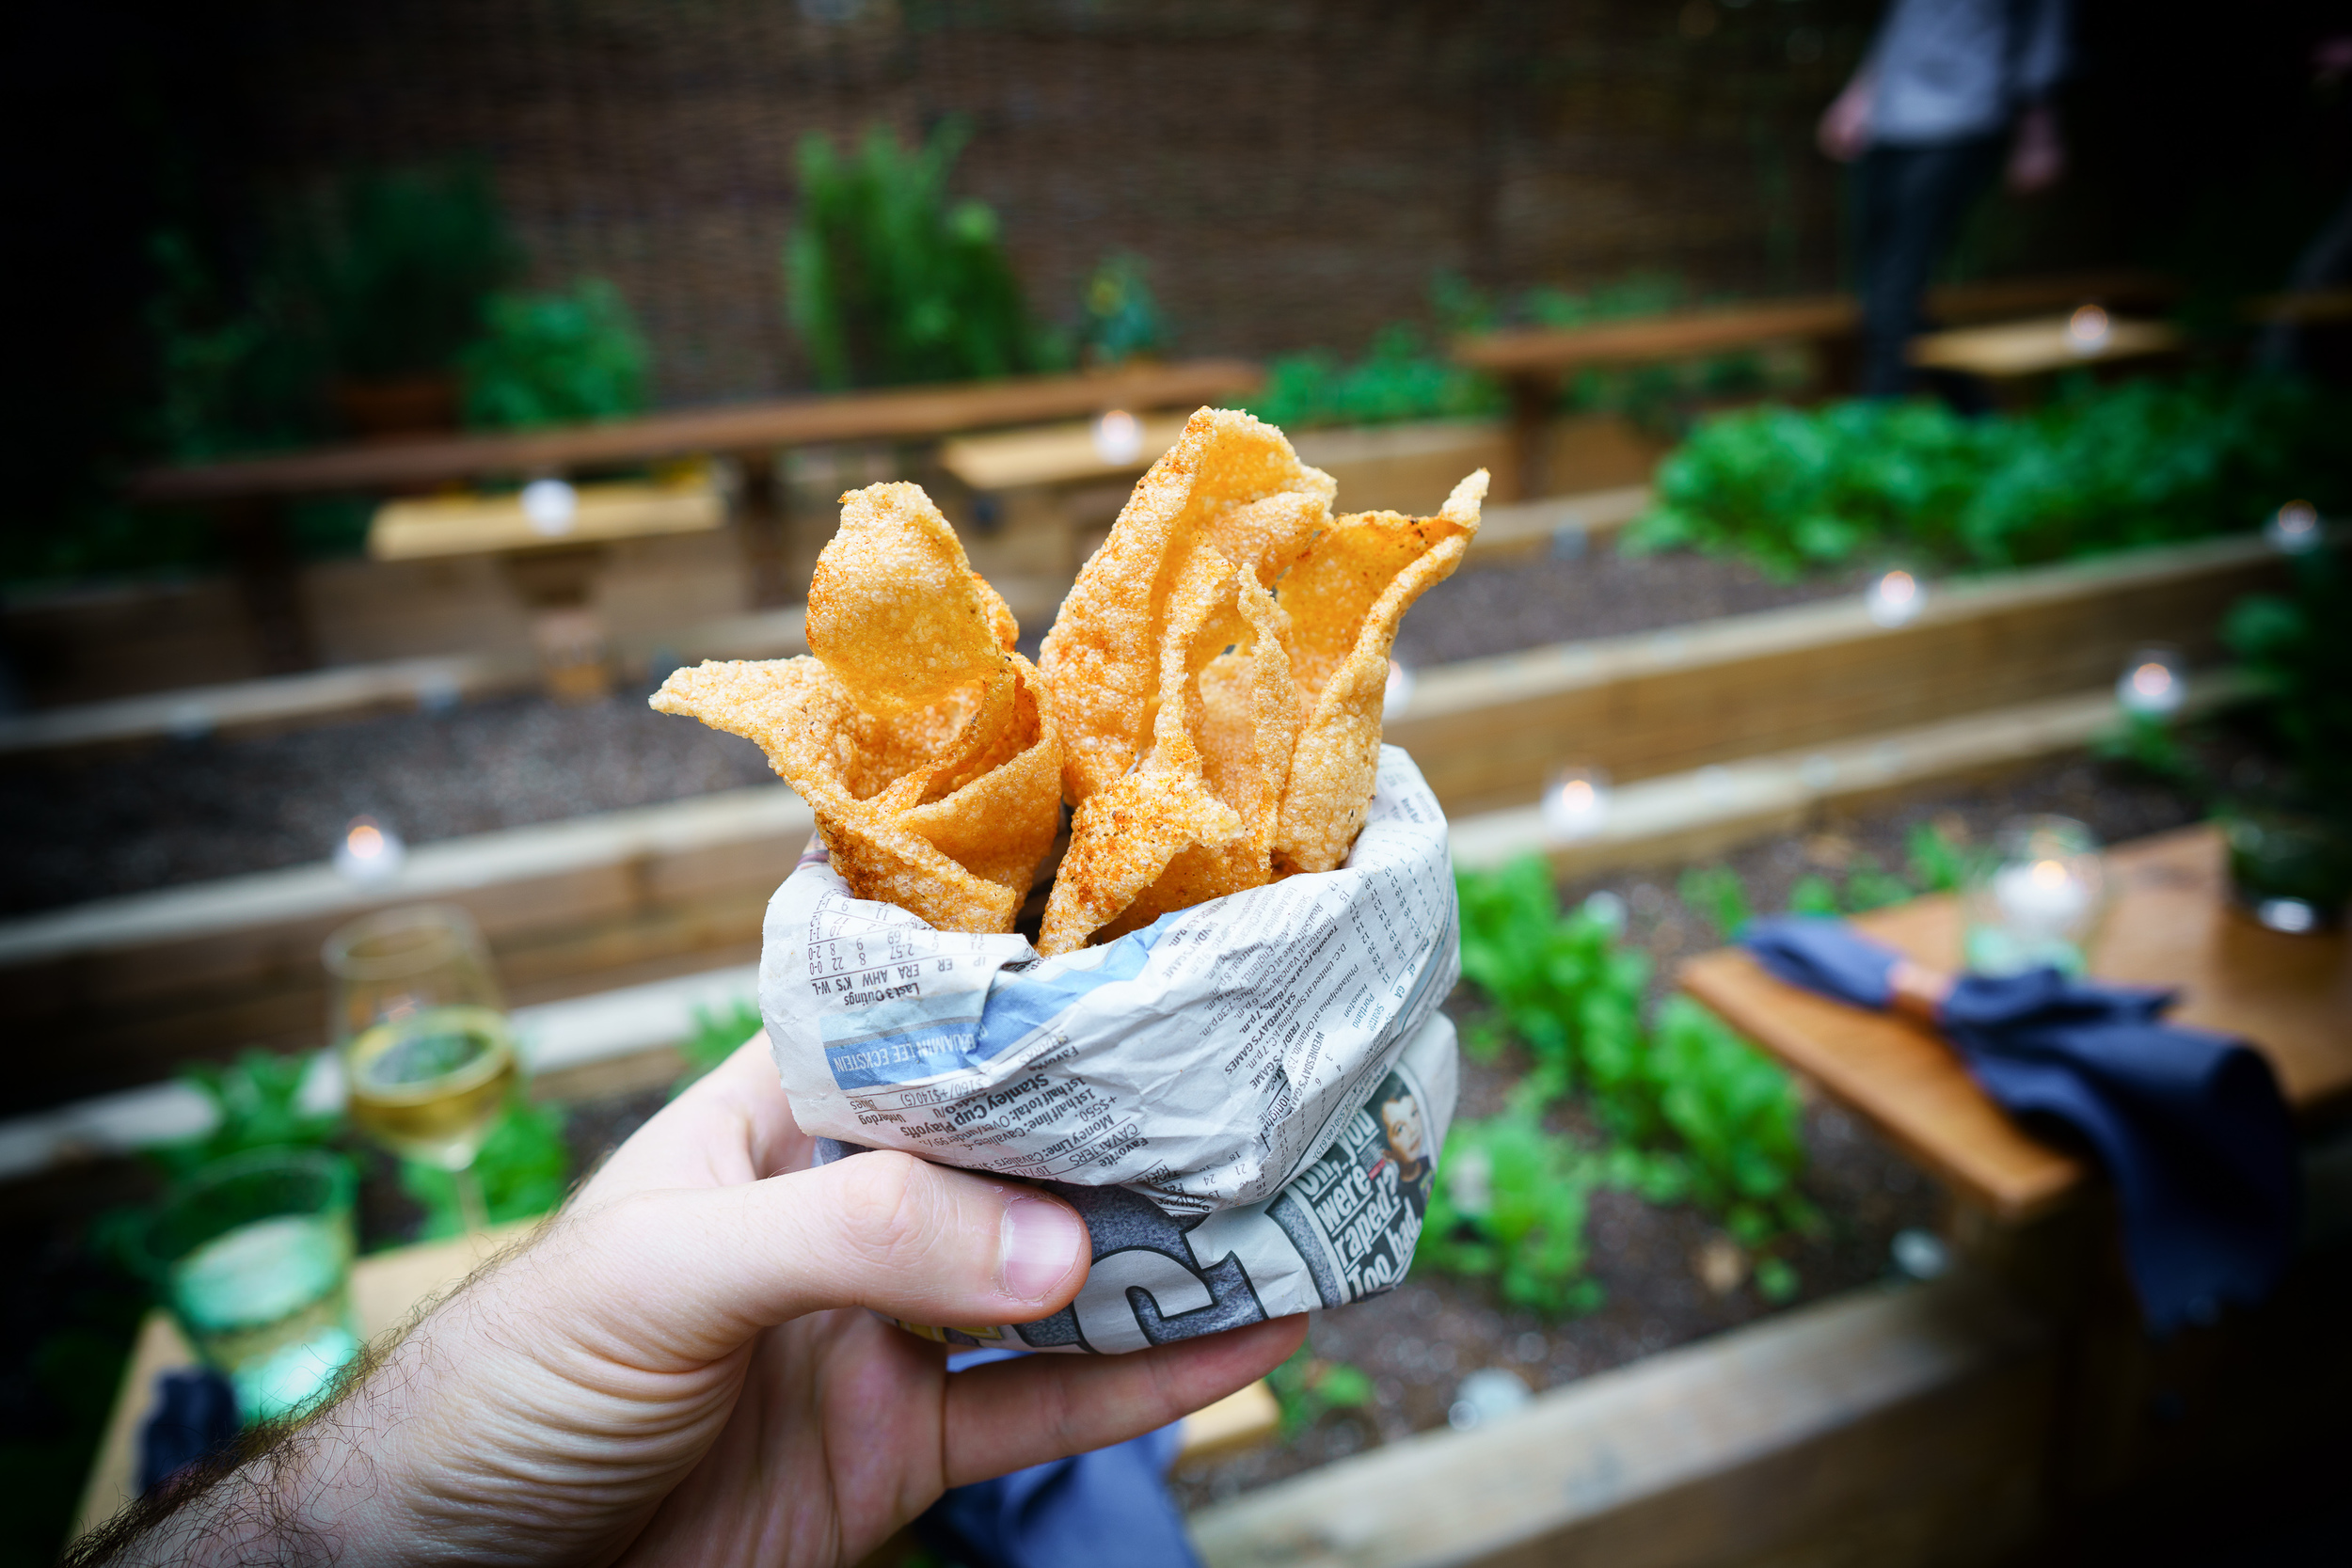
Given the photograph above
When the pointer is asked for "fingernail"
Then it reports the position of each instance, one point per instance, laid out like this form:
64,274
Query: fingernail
1042,1240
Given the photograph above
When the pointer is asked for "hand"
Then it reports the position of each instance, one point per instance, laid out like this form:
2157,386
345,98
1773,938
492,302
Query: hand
2037,157
1844,133
677,1368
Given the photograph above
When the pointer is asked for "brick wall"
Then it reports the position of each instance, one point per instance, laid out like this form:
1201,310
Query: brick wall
1294,170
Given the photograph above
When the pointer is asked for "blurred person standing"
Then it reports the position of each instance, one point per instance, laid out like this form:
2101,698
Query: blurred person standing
1944,82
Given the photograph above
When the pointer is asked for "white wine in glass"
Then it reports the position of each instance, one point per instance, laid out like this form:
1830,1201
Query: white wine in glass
429,1059
431,1087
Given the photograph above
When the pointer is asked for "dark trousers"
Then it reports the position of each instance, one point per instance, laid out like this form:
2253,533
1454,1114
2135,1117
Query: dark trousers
1911,200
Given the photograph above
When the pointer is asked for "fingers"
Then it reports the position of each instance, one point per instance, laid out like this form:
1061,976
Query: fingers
731,1127
1011,1413
687,1276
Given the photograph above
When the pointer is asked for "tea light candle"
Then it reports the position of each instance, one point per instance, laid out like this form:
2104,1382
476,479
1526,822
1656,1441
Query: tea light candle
2043,896
2086,330
1576,803
1893,600
551,507
2038,904
1118,438
2293,528
369,851
2152,682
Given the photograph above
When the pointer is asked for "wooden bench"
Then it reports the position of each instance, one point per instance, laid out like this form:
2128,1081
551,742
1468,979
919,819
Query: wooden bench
1534,363
245,494
2172,924
2015,352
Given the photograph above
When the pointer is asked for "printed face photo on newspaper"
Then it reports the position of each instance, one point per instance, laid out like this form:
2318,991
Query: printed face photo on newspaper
1208,701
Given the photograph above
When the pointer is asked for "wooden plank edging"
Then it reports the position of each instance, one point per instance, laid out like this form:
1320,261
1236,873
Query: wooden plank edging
1919,1410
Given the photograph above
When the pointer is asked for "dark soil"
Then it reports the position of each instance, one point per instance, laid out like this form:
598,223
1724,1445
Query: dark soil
1527,602
187,810
1418,1343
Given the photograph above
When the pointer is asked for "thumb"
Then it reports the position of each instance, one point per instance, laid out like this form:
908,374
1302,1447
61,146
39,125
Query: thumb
689,1275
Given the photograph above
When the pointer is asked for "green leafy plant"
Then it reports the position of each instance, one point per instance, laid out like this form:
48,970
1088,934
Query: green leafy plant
1937,862
1122,317
2099,469
1403,376
236,369
890,281
1689,1110
718,1033
256,1102
401,262
1717,892
555,358
1307,1388
524,1169
1512,1207
2294,647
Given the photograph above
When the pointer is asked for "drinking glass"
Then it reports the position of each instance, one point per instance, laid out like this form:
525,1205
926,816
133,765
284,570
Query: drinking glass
252,1255
2038,901
428,1055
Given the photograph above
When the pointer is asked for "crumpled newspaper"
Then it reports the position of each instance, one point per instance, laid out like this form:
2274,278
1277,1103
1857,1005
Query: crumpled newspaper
1245,1099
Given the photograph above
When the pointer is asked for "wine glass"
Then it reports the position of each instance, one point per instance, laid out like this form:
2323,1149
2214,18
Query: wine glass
428,1055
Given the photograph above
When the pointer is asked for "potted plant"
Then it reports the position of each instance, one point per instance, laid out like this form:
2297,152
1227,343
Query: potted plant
401,264
2291,843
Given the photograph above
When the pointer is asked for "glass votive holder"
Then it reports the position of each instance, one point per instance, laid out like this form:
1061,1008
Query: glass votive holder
1893,598
2293,528
1575,805
252,1256
1400,689
368,852
2154,682
2087,328
552,506
2291,870
2038,899
1118,438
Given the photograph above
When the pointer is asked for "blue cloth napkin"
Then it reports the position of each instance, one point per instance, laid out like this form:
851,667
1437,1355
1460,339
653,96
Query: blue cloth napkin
195,1414
2189,1124
1110,1505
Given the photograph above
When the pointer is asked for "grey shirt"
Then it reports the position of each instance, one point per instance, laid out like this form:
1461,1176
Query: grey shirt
1950,70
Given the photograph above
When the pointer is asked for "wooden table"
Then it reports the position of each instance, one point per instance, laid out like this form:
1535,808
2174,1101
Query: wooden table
1534,363
243,493
2014,350
388,1286
552,563
2171,925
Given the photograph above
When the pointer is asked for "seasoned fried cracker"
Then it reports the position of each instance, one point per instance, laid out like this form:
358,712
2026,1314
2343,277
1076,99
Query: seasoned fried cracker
1344,596
1195,818
1232,485
917,737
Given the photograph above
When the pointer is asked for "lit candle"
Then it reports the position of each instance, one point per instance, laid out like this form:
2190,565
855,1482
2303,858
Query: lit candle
369,851
1118,438
2293,528
2086,330
2152,682
2037,906
2042,898
1576,803
1893,599
551,505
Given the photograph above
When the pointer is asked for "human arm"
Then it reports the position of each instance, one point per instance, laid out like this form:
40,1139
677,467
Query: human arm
677,1369
1844,131
2037,153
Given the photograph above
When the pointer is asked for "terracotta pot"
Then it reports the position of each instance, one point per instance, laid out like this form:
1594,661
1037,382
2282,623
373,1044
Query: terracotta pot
401,407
